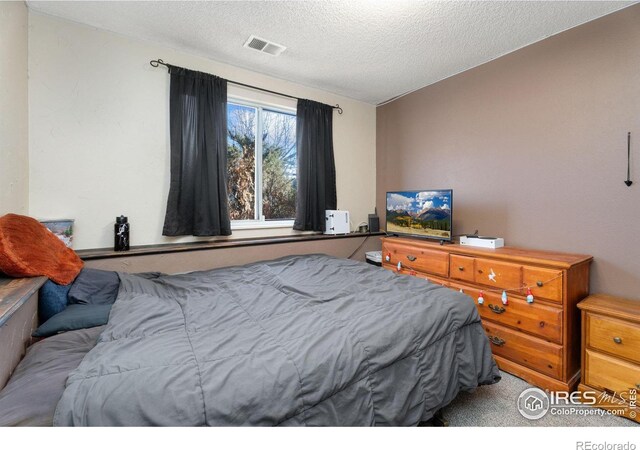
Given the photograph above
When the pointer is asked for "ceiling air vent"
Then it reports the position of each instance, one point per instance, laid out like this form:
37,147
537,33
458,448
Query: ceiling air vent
264,46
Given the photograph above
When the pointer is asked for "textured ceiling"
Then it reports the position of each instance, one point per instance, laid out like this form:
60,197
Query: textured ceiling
367,50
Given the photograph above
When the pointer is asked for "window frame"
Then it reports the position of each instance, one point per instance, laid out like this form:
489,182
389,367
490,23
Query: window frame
260,106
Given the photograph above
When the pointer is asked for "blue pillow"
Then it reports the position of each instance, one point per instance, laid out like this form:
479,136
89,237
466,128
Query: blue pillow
52,300
74,317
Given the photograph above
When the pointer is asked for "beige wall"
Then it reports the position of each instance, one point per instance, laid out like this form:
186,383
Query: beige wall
534,146
99,140
14,140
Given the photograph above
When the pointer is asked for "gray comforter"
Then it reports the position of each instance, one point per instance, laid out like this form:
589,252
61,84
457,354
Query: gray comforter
303,340
30,397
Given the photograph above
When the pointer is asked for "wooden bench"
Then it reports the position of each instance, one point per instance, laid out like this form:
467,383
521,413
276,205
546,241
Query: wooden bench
18,319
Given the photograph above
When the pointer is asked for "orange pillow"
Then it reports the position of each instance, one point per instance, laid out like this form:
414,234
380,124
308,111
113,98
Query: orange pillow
28,249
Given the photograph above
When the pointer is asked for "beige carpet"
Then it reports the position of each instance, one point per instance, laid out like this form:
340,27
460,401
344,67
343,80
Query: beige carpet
495,406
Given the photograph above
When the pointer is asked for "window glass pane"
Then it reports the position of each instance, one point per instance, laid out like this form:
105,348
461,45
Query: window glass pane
241,161
278,165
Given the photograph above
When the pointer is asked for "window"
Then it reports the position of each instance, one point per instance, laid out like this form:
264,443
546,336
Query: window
261,172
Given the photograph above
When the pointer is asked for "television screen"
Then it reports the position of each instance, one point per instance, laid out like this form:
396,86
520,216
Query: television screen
420,213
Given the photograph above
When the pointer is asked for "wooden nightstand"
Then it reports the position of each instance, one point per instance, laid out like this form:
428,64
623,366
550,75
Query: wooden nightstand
611,353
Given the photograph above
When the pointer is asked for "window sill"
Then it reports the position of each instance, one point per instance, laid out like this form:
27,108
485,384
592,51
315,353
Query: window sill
102,253
260,225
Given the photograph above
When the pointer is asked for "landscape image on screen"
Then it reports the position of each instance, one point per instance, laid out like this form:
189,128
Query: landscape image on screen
422,213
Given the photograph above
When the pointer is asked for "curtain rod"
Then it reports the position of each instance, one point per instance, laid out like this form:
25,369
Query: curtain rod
158,62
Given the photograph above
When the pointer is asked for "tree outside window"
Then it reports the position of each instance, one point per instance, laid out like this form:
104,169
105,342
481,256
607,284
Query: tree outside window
261,173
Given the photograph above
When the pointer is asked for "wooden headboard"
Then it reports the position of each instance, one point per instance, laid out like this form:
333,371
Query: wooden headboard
18,319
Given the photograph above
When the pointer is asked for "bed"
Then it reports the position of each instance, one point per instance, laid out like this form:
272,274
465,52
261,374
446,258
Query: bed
298,341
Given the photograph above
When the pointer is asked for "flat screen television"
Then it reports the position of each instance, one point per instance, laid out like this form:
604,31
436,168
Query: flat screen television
425,214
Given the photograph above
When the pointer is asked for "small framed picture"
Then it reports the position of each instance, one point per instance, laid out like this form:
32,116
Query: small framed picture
63,228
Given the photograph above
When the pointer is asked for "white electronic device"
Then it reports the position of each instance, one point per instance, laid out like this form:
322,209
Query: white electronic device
375,256
482,241
337,222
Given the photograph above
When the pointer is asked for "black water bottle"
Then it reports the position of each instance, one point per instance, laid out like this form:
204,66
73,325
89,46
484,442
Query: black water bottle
121,234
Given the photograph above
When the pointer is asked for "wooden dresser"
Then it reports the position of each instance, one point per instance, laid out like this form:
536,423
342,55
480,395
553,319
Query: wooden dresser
611,353
538,342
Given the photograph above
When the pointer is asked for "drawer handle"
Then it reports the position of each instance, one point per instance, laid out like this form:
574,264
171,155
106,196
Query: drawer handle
411,258
496,309
497,341
539,283
617,340
480,271
460,268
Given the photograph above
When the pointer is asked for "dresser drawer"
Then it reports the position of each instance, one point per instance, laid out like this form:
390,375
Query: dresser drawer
613,336
416,258
429,278
498,274
541,320
528,351
610,374
462,267
544,283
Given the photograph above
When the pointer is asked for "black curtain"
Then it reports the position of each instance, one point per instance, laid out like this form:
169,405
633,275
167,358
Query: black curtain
316,166
197,203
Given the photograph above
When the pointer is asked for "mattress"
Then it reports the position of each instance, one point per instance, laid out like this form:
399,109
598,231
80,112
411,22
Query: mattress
302,340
